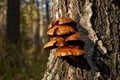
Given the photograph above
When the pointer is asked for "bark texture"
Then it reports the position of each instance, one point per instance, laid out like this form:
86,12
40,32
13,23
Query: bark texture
98,21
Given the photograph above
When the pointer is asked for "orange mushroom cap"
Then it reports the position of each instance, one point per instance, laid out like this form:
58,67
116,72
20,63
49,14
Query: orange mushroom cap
54,43
75,39
65,29
52,31
74,36
50,45
65,20
60,41
52,24
59,30
69,51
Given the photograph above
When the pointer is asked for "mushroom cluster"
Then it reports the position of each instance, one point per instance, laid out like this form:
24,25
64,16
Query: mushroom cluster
64,36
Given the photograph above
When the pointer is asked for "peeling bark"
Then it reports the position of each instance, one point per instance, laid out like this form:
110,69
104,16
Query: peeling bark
98,21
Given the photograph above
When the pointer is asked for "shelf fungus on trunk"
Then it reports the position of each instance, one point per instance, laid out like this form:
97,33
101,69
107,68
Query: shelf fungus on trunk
53,23
65,20
75,39
54,43
65,37
69,51
74,36
59,30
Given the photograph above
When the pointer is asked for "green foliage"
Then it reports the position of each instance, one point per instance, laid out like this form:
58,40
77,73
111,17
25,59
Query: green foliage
10,64
10,47
25,41
17,65
23,20
38,67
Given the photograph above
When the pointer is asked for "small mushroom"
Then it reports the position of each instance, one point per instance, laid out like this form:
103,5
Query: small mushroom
65,20
69,51
75,39
54,43
59,30
52,31
50,45
64,29
74,36
52,24
60,41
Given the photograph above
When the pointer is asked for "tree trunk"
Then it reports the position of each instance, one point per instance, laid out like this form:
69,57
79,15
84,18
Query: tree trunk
47,11
13,20
37,35
98,21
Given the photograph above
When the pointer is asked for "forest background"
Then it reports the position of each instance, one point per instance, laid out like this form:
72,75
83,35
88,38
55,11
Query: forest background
21,45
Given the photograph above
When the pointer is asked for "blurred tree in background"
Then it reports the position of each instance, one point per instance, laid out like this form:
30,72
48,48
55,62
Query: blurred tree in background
23,24
13,26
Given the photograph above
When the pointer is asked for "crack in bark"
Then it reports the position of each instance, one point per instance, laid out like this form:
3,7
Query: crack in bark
66,6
